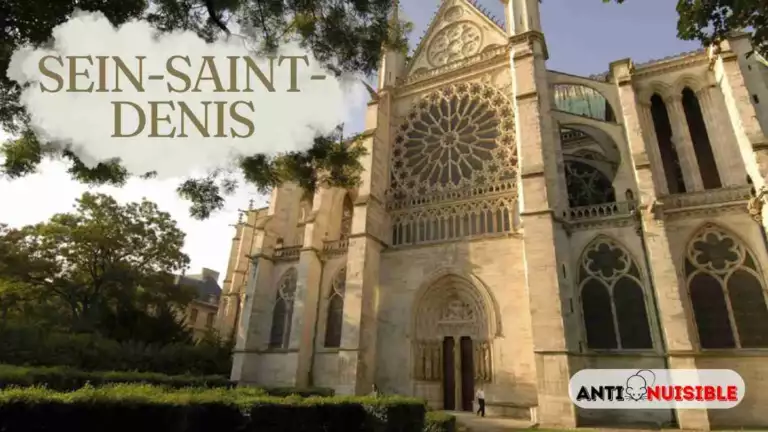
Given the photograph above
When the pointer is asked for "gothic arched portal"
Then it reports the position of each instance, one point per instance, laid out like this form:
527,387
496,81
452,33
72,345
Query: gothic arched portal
452,328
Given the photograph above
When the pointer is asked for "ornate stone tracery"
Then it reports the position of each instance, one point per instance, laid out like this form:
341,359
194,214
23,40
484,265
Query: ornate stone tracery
454,42
587,185
726,290
451,307
454,138
335,309
453,13
612,298
282,313
456,144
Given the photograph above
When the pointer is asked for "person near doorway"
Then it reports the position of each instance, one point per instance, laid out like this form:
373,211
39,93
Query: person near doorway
480,395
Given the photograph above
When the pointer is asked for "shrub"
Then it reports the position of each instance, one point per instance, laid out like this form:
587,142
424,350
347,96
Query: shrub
68,379
24,345
437,421
141,407
303,392
394,414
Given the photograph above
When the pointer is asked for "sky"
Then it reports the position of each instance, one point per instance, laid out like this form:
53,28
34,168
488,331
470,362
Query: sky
583,37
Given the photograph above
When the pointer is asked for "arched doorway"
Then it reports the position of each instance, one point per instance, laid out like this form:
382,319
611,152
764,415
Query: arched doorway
452,343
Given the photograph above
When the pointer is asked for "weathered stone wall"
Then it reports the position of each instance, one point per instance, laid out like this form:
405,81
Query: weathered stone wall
621,417
752,365
497,264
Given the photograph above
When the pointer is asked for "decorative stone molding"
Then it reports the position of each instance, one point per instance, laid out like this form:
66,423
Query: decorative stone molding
670,64
471,289
287,253
474,61
454,42
598,216
487,216
482,362
601,211
427,361
756,203
335,248
705,199
528,40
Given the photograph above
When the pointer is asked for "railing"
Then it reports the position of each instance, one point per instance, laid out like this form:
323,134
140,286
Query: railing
287,252
599,211
712,197
335,247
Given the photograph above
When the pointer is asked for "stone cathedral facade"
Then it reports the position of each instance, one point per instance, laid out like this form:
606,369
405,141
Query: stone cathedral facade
515,225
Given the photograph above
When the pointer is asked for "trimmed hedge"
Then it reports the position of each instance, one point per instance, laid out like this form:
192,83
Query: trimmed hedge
32,346
67,379
437,421
144,408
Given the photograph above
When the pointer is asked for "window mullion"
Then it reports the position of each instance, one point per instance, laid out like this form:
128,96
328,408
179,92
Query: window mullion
616,329
731,317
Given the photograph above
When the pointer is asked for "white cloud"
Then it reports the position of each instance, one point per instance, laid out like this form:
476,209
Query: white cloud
37,197
282,120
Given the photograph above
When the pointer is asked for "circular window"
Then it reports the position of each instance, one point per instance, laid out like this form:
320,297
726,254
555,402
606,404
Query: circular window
456,137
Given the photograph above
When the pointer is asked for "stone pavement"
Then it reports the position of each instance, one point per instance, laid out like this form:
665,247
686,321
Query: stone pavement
469,422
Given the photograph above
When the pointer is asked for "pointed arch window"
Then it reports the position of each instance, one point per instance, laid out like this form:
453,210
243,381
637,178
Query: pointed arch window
702,147
587,185
612,298
726,290
335,317
669,159
282,313
346,218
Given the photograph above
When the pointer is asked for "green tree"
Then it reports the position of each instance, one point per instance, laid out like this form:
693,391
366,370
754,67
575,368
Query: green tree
346,35
712,20
110,266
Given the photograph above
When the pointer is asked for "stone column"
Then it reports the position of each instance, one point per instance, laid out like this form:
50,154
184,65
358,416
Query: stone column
543,241
253,335
309,288
681,137
254,326
751,139
357,354
730,166
676,332
647,130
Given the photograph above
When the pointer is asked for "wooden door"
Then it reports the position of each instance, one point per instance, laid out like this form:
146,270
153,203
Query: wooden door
467,373
449,378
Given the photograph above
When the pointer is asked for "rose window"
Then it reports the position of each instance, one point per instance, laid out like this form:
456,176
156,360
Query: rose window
457,137
454,42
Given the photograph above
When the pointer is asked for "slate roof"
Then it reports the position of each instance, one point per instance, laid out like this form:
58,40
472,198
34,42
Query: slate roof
206,285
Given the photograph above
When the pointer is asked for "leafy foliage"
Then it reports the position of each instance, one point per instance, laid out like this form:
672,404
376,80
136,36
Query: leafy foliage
713,20
105,267
346,35
68,379
35,346
438,421
151,408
